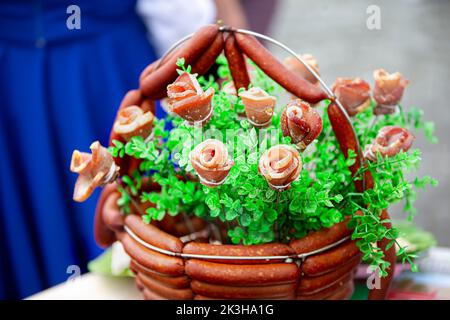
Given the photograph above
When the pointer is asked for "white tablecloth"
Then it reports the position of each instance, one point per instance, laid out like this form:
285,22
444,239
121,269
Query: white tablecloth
92,286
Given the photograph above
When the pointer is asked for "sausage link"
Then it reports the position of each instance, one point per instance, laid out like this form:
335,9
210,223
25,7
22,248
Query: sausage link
103,235
112,217
273,249
177,282
321,238
296,85
328,291
208,58
324,262
152,234
347,140
165,291
149,295
237,64
240,292
314,284
154,85
391,257
242,275
151,259
344,293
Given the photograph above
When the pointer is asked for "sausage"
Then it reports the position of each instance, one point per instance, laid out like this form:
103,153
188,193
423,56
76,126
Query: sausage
240,292
324,262
273,249
152,234
236,63
154,85
151,259
391,257
149,295
314,284
178,282
328,291
208,58
344,293
321,238
103,235
296,85
242,275
347,140
165,291
112,217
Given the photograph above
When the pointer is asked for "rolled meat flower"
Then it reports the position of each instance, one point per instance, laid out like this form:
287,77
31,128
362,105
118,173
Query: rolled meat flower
389,142
299,69
133,121
187,99
280,166
301,122
94,170
388,90
211,162
353,93
259,106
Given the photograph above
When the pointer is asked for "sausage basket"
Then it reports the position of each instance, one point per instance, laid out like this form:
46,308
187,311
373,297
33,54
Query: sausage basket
176,258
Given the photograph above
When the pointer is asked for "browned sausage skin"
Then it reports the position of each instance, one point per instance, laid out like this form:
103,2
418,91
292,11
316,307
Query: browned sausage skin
324,262
151,259
273,249
165,291
296,85
178,282
237,64
321,238
152,234
208,58
242,275
312,284
240,292
154,84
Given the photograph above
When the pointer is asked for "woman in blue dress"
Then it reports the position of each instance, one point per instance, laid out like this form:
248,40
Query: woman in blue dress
60,86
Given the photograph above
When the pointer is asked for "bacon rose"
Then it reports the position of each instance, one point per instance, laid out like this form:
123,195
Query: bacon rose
280,165
211,162
96,169
132,121
188,100
300,122
299,69
259,106
388,90
353,93
389,142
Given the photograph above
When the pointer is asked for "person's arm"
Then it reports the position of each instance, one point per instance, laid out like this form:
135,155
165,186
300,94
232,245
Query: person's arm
231,13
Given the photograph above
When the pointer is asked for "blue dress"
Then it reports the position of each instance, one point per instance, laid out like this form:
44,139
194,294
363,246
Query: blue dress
59,91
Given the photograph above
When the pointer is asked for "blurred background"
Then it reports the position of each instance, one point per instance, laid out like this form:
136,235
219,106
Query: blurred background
75,76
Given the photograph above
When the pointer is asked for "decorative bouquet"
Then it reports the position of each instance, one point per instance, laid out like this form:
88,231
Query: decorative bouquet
239,168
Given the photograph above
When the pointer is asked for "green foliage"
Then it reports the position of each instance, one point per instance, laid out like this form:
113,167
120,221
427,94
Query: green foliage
254,213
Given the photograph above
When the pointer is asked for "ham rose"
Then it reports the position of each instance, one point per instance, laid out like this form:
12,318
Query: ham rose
389,142
96,169
354,94
133,121
259,106
211,162
188,100
300,122
280,165
294,65
388,90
